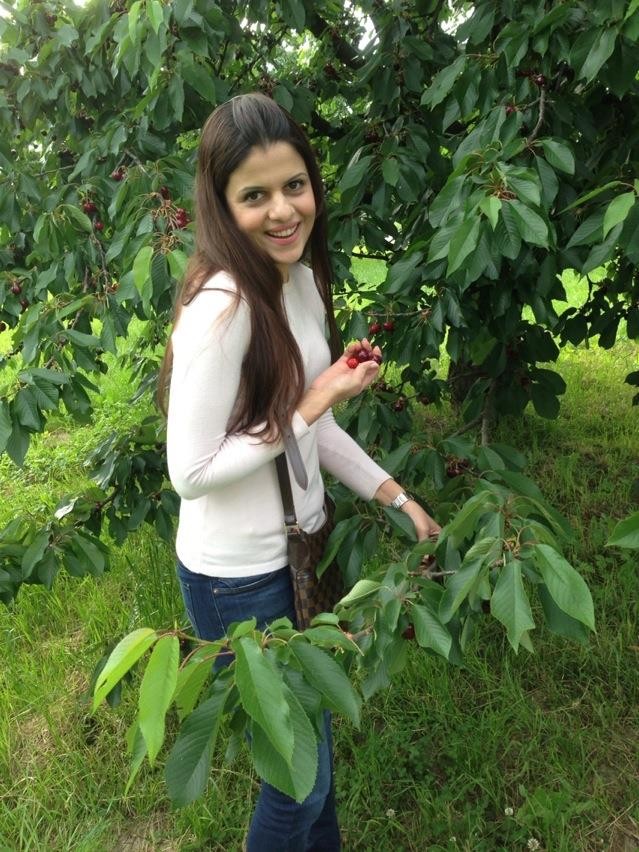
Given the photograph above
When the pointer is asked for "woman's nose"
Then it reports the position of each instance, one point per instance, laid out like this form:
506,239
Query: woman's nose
280,208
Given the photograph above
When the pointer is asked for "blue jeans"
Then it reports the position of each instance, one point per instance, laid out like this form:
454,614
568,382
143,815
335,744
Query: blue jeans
279,823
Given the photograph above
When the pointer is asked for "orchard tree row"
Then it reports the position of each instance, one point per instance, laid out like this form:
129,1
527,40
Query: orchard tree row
478,150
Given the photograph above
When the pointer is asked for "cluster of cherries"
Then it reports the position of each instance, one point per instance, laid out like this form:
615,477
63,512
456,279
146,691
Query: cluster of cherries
360,355
180,219
90,208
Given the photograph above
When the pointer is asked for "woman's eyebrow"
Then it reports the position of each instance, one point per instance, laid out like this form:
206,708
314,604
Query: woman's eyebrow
260,188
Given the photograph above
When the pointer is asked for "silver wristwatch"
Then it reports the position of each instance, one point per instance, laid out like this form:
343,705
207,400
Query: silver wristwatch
399,501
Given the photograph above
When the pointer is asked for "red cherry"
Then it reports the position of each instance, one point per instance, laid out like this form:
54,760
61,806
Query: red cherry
409,633
363,355
89,207
117,174
24,304
424,400
389,325
352,363
510,109
164,192
539,79
3,326
16,289
374,328
98,225
377,358
400,404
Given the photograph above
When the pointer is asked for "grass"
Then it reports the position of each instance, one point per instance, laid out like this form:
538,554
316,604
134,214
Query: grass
507,750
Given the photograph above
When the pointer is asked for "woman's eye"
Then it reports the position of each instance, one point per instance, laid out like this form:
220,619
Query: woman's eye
296,184
251,196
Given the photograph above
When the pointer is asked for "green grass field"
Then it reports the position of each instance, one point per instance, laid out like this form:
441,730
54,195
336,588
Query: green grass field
508,753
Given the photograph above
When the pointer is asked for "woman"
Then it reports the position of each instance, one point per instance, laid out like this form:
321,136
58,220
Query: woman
248,358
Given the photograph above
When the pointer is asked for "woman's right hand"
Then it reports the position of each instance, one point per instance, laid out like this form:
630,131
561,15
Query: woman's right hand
343,382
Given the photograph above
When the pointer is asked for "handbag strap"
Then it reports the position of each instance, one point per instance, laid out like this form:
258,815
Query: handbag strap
295,457
290,518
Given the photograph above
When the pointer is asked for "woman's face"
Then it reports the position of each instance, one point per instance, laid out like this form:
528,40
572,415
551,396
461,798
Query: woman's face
271,199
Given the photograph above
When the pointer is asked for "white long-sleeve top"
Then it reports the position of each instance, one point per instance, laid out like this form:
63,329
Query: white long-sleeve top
231,520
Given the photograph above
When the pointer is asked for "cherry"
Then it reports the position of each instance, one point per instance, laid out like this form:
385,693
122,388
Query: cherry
181,217
164,192
16,289
389,325
539,79
3,326
352,363
89,206
374,328
98,225
424,400
400,404
330,71
510,109
377,358
117,174
409,633
24,304
363,355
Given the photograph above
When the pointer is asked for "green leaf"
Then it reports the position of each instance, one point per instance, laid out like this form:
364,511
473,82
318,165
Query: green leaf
80,219
590,231
34,553
626,533
201,78
188,764
402,522
262,696
559,155
443,82
328,677
390,171
558,621
465,521
295,778
26,409
142,266
545,402
125,654
463,243
530,225
155,14
567,588
600,51
592,194
6,426
490,206
362,590
458,588
617,211
156,692
429,630
509,603
354,174
192,677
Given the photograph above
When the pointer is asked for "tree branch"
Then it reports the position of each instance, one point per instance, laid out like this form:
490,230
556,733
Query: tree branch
540,120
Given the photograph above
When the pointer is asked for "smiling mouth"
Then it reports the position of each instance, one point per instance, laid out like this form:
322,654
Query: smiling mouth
284,233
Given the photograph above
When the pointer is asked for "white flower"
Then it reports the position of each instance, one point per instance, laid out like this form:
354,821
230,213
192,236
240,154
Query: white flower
390,813
508,811
453,839
533,843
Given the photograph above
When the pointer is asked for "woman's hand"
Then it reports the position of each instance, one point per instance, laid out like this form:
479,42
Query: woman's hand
425,526
343,382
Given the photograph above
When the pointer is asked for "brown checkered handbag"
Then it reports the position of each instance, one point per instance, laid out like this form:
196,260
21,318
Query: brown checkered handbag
305,550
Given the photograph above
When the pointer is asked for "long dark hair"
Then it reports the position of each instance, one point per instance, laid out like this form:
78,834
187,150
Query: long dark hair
272,377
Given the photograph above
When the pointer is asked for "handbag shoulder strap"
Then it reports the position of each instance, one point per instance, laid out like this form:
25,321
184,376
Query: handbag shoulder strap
290,518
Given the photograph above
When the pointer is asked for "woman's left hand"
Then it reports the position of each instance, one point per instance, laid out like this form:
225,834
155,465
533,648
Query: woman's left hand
425,526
